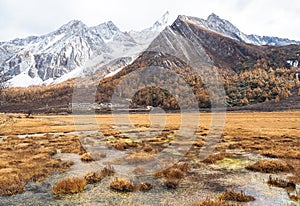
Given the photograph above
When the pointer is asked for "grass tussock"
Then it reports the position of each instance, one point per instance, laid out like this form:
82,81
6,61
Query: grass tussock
172,183
148,148
173,175
70,185
178,169
11,184
211,202
230,195
199,143
281,153
213,158
86,157
270,166
123,185
277,182
95,177
137,158
122,145
144,186
107,171
295,196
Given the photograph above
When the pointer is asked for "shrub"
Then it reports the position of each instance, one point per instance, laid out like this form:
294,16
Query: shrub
70,185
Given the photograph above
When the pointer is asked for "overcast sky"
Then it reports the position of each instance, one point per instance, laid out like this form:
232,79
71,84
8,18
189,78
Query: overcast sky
21,18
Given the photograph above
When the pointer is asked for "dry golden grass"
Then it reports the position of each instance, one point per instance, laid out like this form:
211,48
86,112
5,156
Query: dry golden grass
107,171
123,185
172,183
144,186
237,124
11,184
199,143
123,145
294,197
148,148
95,177
210,202
70,185
31,158
174,170
277,182
173,175
140,157
86,157
274,134
213,158
231,195
270,166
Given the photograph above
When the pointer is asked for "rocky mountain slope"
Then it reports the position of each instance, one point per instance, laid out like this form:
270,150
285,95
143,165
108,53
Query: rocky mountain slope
224,27
71,51
206,60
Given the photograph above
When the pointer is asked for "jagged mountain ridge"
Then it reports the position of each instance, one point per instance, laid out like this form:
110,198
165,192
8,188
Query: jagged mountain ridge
64,53
250,73
222,26
233,54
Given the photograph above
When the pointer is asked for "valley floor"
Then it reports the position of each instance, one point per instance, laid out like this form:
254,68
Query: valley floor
37,152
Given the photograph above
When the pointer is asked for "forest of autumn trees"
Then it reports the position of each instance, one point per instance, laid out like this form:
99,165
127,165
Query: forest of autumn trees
261,83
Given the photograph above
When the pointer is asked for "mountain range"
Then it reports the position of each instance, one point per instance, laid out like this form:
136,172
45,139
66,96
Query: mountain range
71,51
76,50
146,68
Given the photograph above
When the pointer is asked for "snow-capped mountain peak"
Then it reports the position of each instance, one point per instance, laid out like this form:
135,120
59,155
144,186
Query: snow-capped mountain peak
213,17
64,53
105,30
161,23
71,26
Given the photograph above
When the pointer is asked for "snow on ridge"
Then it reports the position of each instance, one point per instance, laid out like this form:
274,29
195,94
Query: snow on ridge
226,28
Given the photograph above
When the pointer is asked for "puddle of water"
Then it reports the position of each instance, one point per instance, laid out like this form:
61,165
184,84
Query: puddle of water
56,134
254,183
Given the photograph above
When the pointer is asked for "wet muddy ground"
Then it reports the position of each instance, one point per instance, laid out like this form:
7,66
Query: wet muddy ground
150,148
